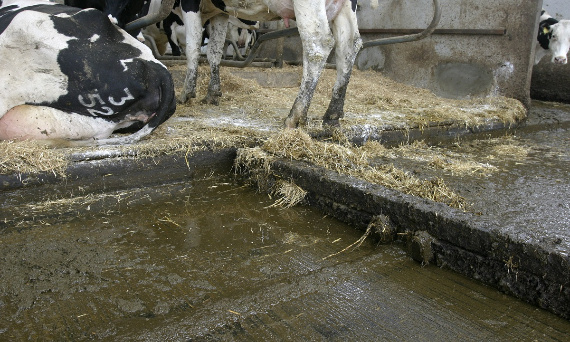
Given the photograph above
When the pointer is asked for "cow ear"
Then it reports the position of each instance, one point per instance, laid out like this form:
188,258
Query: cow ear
546,29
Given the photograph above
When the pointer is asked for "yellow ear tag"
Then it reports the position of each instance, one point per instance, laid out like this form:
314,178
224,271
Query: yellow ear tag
545,30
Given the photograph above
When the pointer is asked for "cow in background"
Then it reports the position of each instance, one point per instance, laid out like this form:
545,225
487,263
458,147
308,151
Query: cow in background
322,25
242,33
553,39
120,12
171,31
70,74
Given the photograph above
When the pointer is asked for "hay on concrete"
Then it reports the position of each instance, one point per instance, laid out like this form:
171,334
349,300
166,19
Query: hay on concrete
509,147
371,99
463,159
351,161
442,158
30,157
37,211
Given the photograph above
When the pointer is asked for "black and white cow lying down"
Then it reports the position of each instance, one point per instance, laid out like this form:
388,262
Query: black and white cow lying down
553,39
70,74
321,24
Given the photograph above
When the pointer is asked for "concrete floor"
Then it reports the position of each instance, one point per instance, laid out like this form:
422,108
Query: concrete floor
207,260
529,196
514,235
127,264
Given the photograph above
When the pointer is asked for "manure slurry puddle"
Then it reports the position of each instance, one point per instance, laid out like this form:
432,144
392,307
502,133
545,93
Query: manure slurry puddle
209,259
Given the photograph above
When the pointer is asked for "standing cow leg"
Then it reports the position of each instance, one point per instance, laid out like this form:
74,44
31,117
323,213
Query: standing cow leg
317,44
218,29
193,25
172,39
348,43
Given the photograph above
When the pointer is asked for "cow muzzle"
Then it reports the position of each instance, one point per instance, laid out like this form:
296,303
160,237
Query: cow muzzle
560,60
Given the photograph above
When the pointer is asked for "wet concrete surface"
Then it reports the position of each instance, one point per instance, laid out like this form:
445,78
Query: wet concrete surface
515,234
527,200
527,195
145,250
208,260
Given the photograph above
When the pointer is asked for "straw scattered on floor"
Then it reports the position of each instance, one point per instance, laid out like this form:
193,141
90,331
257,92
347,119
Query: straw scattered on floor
351,161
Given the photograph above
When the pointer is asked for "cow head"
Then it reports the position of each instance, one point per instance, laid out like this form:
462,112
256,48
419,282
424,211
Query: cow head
556,39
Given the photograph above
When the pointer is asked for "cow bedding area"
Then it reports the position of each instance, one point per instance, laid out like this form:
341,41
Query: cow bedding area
249,112
249,115
372,99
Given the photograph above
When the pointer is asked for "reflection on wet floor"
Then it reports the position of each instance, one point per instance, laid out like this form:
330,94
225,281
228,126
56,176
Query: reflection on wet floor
210,260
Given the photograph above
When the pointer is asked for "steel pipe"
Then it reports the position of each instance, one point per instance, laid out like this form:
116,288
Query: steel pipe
475,32
260,39
410,37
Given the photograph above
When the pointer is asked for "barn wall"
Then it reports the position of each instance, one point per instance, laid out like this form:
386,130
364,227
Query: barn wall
486,47
557,8
552,82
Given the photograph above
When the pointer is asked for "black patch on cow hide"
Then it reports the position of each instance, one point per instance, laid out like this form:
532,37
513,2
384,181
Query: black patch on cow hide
97,4
219,4
544,38
94,62
248,22
125,11
94,66
189,5
353,3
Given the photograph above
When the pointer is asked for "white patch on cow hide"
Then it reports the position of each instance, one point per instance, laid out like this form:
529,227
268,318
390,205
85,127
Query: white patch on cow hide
124,63
113,20
30,72
37,122
62,15
146,52
94,38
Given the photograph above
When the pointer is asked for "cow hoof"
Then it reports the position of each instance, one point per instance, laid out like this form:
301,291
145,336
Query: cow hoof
331,123
212,97
294,122
290,123
211,100
182,99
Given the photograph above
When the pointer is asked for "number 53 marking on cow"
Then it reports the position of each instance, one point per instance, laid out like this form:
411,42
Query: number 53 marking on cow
96,106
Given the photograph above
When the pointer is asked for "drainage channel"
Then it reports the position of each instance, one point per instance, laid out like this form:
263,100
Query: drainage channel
165,248
211,259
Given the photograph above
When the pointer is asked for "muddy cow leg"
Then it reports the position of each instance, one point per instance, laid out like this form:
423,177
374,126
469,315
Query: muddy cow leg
317,44
218,28
193,25
348,43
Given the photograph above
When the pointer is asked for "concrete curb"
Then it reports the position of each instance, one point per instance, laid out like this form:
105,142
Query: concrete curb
95,174
466,243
